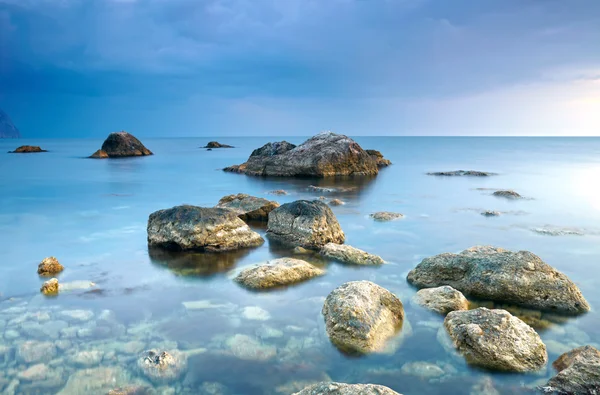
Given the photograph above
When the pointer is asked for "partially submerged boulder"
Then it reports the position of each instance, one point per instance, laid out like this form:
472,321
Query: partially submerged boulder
161,366
215,144
460,173
496,340
198,228
496,274
384,216
324,155
336,202
508,194
49,267
331,388
50,287
490,213
27,149
121,144
578,372
350,255
361,316
304,223
442,299
248,208
378,158
277,273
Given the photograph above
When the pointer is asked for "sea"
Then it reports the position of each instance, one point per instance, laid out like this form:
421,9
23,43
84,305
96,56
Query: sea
121,300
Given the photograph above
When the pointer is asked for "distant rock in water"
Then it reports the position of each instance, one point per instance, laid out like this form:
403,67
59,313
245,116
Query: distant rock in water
7,129
507,194
490,213
378,157
27,149
459,173
119,145
215,144
331,388
324,155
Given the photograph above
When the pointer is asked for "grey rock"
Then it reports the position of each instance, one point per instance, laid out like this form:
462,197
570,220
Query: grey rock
308,224
491,273
162,366
249,348
578,372
122,144
422,369
34,351
215,144
384,216
7,129
361,316
460,173
331,388
197,228
496,340
350,255
507,194
248,208
442,299
277,273
490,213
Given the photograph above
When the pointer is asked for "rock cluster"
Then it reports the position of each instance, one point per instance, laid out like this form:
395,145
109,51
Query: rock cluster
248,208
50,287
507,194
162,366
277,273
460,173
384,216
119,145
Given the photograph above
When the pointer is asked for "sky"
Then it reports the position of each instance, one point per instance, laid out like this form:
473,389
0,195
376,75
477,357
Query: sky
162,68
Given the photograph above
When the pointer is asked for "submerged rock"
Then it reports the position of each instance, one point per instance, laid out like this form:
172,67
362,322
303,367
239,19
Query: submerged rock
459,173
49,267
277,273
94,381
249,348
422,369
495,274
556,231
27,149
442,299
507,194
331,388
490,213
324,155
308,224
361,316
162,366
215,144
279,192
248,208
50,287
496,340
33,351
378,158
198,228
121,144
350,255
578,372
384,216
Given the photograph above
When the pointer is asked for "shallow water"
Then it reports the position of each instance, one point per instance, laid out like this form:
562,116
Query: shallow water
91,215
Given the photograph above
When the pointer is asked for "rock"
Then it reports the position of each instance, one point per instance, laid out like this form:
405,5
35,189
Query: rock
279,192
131,390
336,202
378,158
34,373
507,194
248,208
122,144
50,287
277,273
422,369
214,144
197,228
314,188
255,313
100,154
490,213
248,348
162,366
308,224
27,149
578,372
49,267
324,155
361,316
385,216
490,273
332,388
267,332
77,315
496,340
442,299
7,129
459,173
485,386
87,358
33,351
350,255
94,381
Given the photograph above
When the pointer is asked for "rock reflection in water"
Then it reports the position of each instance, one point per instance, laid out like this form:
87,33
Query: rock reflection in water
196,264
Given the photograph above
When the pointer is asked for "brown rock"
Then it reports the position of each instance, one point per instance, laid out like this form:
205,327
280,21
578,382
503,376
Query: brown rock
50,287
49,267
27,149
100,154
122,144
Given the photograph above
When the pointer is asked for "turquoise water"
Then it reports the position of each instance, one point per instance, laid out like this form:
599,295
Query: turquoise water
91,215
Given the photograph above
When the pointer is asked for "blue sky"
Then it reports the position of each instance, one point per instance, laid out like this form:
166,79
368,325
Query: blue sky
84,68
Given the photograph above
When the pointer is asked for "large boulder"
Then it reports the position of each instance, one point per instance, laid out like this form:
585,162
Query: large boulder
27,149
332,388
496,340
198,228
248,208
121,144
277,273
495,274
350,255
442,299
361,316
578,372
308,224
324,155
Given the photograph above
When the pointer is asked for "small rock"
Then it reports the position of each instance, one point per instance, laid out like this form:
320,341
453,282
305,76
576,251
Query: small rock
384,216
78,315
267,332
248,348
507,194
161,366
332,388
490,213
422,369
94,381
34,373
279,192
459,173
277,273
49,267
255,313
33,351
87,358
350,255
442,299
336,202
248,208
50,287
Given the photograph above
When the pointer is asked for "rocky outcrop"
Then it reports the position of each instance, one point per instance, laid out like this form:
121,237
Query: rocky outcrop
578,372
384,216
332,388
198,228
496,340
50,287
215,144
49,267
361,316
121,144
7,129
495,274
350,255
378,158
162,366
442,299
27,149
277,273
507,194
460,173
308,224
248,208
324,155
